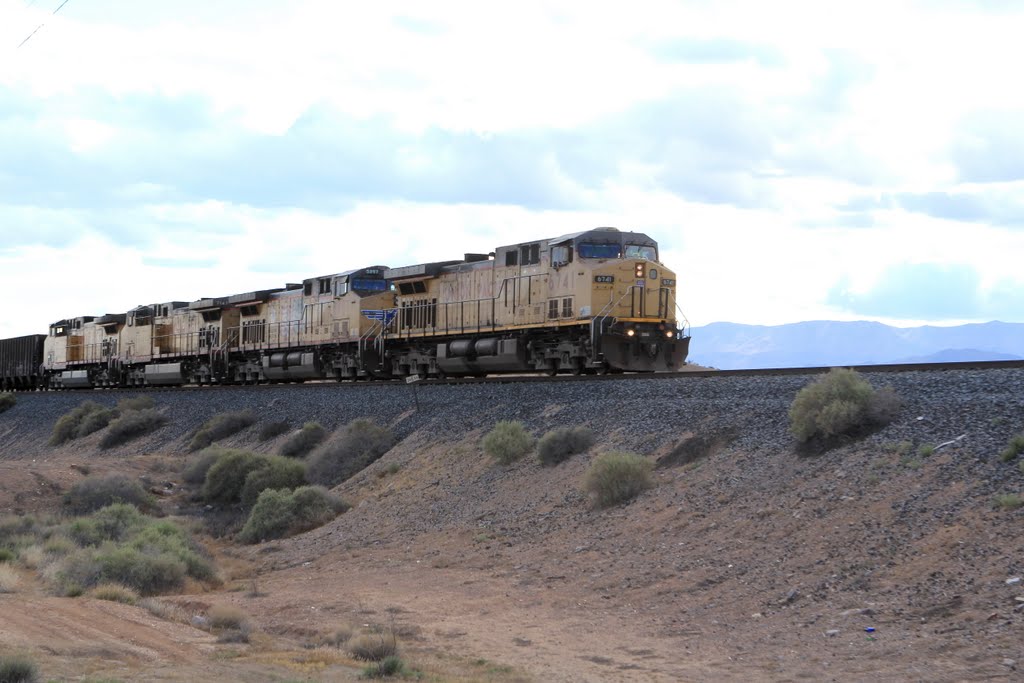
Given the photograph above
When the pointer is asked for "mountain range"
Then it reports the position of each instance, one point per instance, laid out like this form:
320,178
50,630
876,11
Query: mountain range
825,343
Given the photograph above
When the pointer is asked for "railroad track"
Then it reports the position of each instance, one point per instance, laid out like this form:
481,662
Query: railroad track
510,379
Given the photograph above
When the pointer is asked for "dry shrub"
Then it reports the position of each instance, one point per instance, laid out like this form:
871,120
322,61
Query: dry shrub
276,473
7,401
147,573
280,513
167,611
198,466
94,422
302,442
93,493
271,430
114,592
615,478
240,476
841,402
361,443
17,525
226,477
1013,449
231,624
114,522
131,425
18,669
373,647
9,579
508,442
338,637
559,445
118,545
68,425
226,616
1009,501
220,427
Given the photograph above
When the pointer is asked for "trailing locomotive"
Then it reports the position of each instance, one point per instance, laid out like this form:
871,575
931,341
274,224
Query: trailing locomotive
594,301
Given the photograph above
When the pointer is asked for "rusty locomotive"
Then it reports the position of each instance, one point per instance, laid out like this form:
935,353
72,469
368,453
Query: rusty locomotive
589,302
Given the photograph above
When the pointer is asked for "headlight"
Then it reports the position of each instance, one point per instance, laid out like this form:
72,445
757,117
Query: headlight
630,333
670,333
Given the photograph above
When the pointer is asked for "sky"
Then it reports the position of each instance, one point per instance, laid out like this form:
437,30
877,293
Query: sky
794,160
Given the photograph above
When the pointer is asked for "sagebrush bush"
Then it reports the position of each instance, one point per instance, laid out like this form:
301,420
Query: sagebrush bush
508,442
9,579
1013,449
302,442
66,428
18,669
145,572
93,493
199,465
226,477
169,539
118,545
240,476
281,513
271,517
559,445
277,472
94,422
373,647
615,478
131,425
360,443
7,555
220,427
840,402
17,525
1009,501
115,522
274,429
315,505
7,401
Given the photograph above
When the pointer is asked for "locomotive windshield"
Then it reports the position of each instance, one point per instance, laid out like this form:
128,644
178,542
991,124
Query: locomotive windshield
591,250
360,284
637,251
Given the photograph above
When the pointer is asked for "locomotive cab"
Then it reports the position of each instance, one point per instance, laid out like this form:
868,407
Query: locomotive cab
621,286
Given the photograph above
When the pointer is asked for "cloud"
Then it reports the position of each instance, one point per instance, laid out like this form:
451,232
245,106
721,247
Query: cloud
988,205
988,146
717,51
931,291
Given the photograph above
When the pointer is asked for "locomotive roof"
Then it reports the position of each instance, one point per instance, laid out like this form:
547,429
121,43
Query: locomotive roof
344,276
613,234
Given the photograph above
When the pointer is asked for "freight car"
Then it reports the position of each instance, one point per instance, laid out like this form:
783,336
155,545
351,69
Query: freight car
593,301
21,362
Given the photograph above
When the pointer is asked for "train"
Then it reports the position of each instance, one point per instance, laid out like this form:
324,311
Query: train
595,301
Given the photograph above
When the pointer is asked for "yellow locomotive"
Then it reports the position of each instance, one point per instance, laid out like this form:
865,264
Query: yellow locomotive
593,301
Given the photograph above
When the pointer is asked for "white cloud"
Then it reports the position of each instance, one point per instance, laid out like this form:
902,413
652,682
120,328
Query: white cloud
279,141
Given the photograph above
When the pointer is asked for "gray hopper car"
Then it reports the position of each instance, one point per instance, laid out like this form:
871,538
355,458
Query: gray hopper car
21,360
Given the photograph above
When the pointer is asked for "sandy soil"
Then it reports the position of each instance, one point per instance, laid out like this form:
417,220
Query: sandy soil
736,566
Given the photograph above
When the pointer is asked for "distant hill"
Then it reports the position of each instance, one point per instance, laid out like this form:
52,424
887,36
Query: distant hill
816,343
